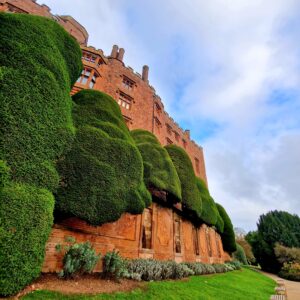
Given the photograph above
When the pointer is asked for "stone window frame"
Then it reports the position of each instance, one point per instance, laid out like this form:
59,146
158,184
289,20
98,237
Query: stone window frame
169,129
128,83
168,141
125,100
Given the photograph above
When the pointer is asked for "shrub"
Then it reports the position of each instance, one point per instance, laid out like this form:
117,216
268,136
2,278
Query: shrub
286,254
79,259
290,271
159,170
227,236
274,227
247,249
191,198
196,267
240,255
102,175
25,223
39,62
114,266
235,264
209,214
208,269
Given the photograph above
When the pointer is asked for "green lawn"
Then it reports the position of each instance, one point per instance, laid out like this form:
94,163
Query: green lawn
245,284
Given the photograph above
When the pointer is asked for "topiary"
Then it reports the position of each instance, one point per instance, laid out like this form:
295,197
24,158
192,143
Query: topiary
220,224
191,198
25,223
228,237
209,213
102,175
159,170
39,63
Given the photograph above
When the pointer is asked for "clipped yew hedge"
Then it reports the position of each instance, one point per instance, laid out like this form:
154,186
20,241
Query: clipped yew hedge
102,175
209,214
26,216
191,198
39,63
228,237
159,170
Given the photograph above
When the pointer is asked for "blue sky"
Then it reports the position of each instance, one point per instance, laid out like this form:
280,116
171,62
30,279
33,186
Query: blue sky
228,70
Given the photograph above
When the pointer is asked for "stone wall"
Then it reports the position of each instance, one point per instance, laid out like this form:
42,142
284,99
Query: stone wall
126,236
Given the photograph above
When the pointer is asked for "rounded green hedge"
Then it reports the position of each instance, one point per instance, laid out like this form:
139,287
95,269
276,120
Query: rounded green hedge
102,175
220,224
39,63
228,237
191,198
159,170
26,216
209,214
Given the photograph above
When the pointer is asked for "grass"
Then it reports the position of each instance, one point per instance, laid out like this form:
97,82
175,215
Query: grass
244,284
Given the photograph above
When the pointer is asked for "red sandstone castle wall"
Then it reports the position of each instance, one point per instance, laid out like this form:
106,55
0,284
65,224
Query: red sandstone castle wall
125,235
146,110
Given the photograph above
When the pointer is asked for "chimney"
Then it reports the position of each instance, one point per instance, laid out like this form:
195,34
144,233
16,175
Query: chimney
145,73
121,54
187,132
114,51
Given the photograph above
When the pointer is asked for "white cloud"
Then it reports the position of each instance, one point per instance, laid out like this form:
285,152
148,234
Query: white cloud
222,61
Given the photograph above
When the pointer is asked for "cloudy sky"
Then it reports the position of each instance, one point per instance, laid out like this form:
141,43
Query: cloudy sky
229,70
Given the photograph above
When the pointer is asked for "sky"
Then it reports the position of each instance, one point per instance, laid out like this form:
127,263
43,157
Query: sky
228,70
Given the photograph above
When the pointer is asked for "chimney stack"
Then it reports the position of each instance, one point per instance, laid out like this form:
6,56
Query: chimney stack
114,51
121,54
145,73
188,133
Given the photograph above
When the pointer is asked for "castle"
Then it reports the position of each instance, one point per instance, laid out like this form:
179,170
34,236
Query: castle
159,232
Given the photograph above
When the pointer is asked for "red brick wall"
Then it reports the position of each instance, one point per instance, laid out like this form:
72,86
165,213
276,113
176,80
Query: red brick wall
124,235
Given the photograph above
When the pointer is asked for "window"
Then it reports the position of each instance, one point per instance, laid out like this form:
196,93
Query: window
93,81
169,129
169,142
177,234
197,165
207,235
177,136
89,57
85,74
147,229
127,83
157,124
184,143
195,240
158,108
125,101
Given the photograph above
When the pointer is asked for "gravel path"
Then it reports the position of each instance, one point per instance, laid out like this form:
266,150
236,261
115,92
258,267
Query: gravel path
292,287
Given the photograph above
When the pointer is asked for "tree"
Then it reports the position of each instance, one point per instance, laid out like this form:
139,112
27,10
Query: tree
274,227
